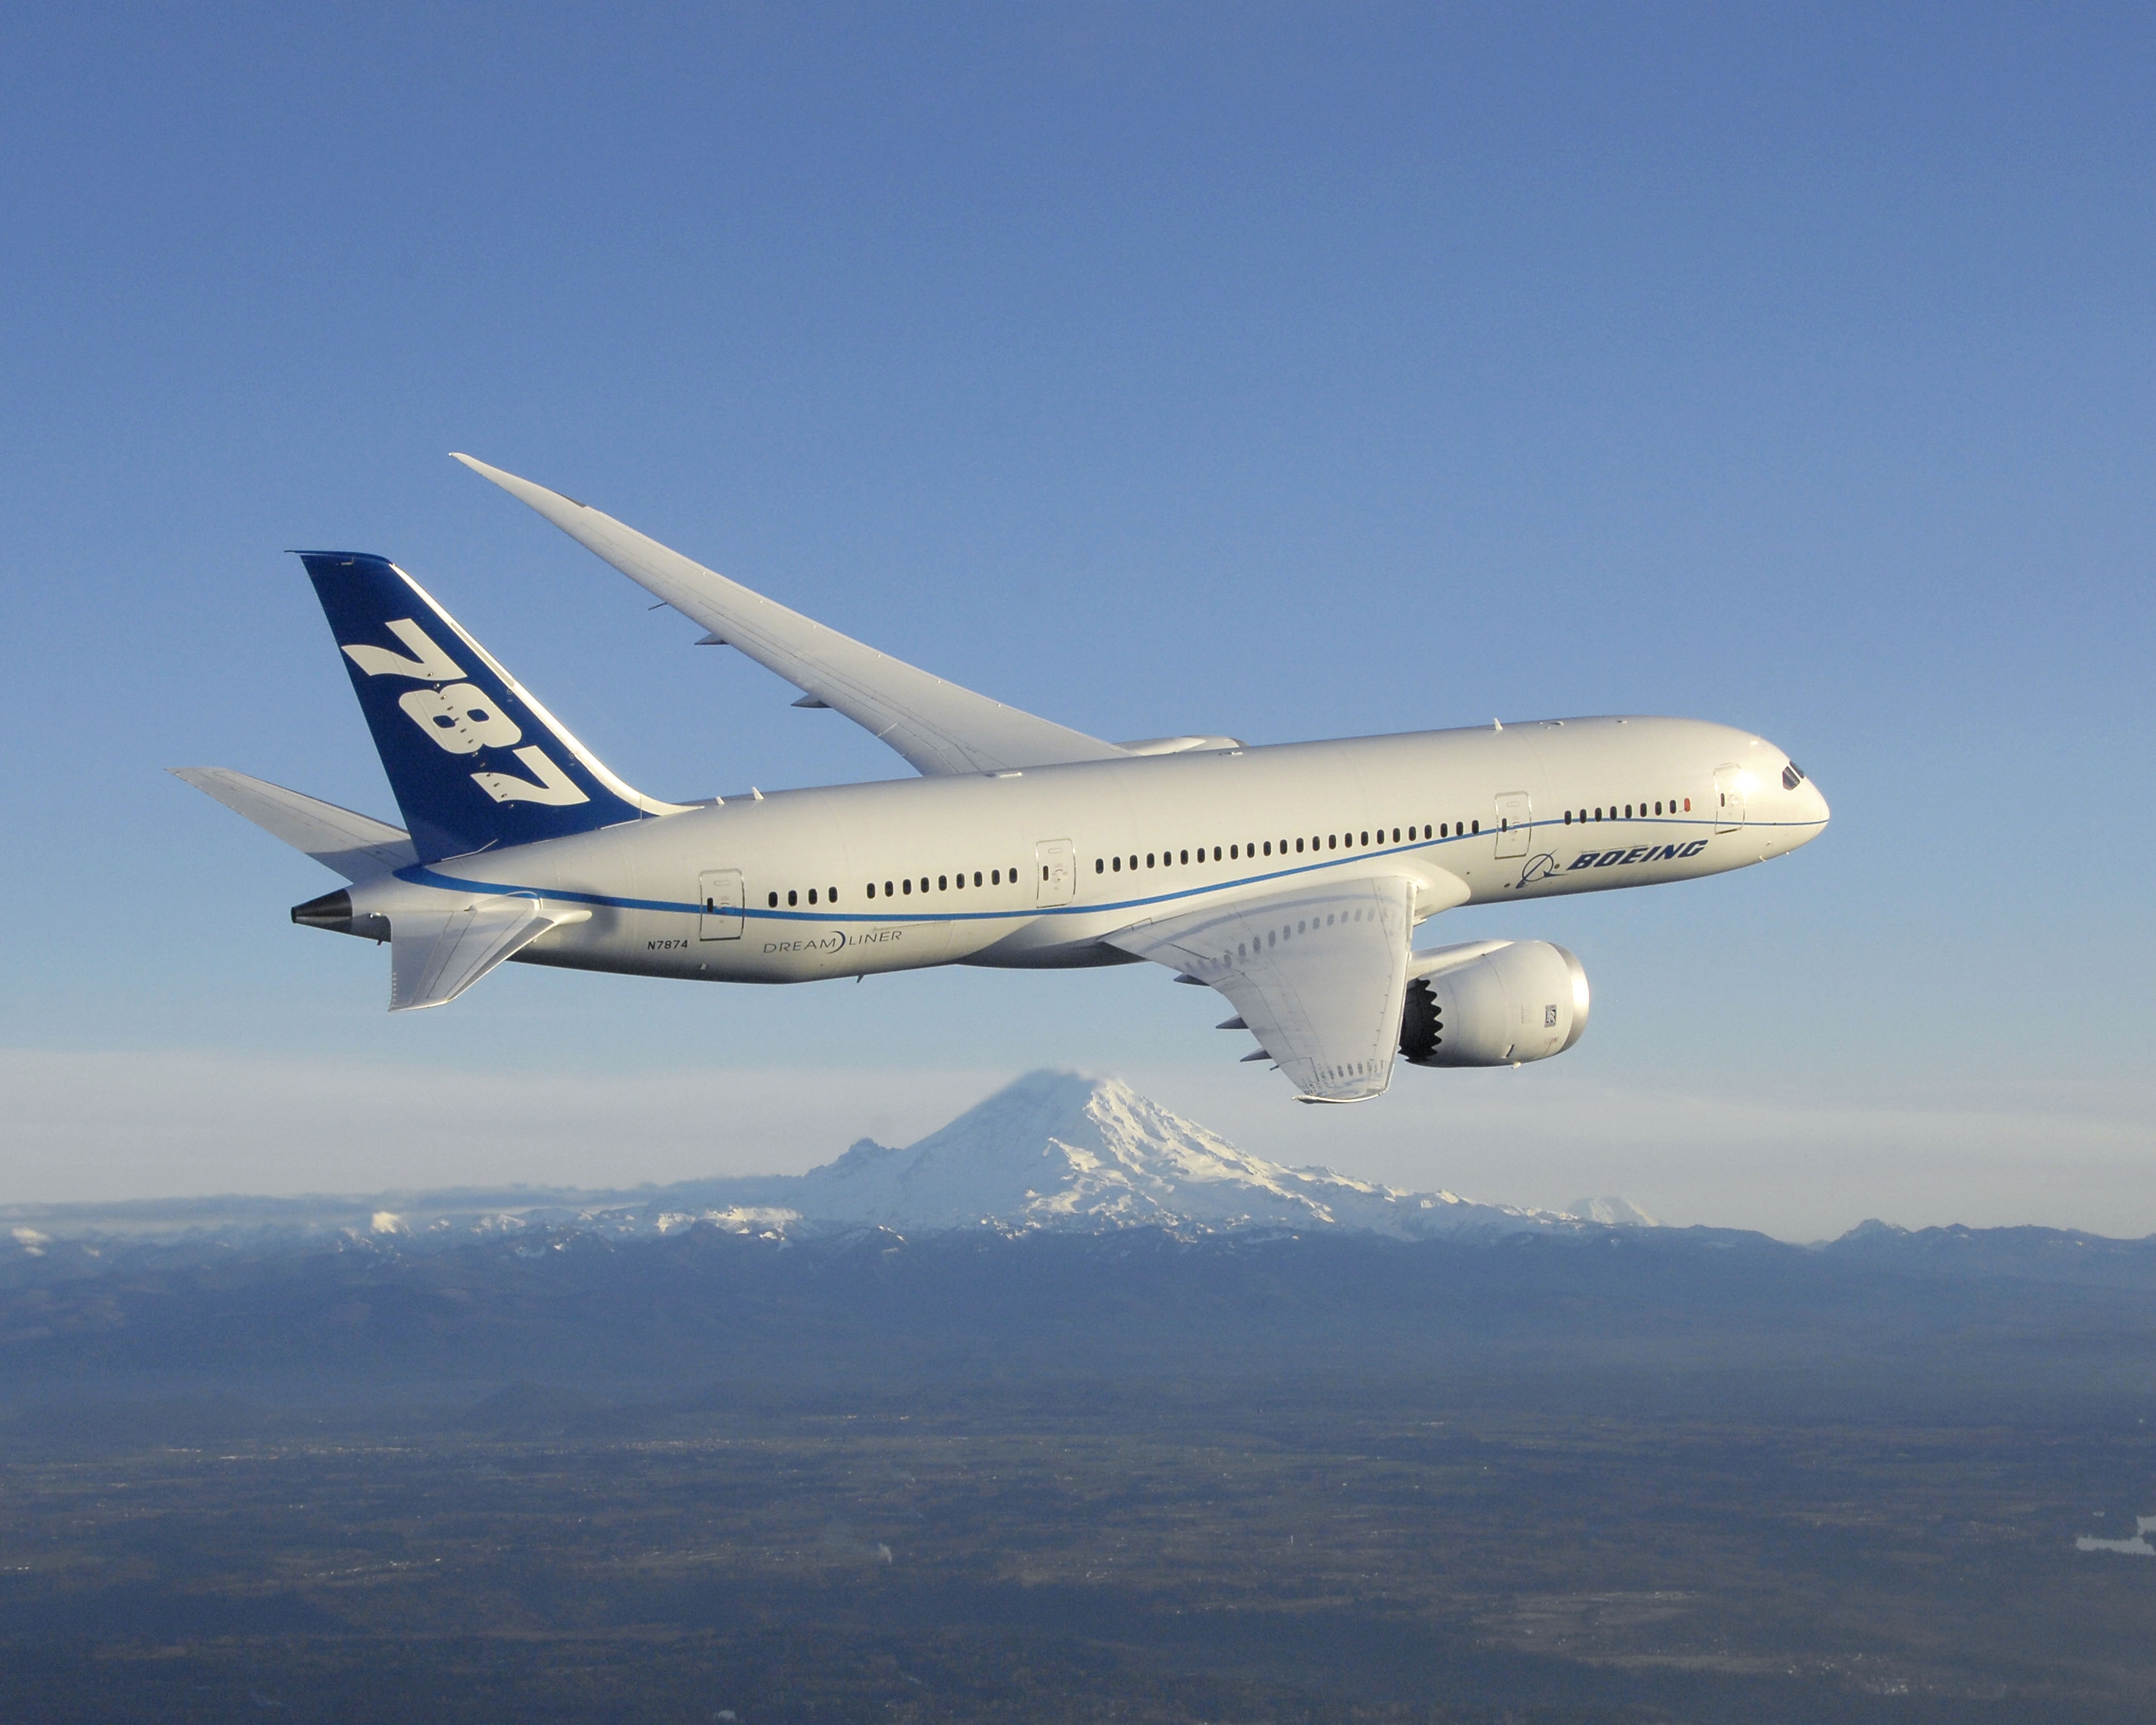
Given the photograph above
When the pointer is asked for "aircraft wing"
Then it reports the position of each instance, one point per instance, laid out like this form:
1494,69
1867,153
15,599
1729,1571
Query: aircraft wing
1318,974
939,727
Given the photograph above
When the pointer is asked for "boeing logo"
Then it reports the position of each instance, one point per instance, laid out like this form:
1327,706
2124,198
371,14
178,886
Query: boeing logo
1637,854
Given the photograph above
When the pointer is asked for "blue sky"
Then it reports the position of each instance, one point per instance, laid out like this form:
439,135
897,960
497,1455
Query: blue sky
1287,372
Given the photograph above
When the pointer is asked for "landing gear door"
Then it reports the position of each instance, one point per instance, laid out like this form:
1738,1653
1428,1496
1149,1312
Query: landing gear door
1729,798
1054,871
1515,819
720,892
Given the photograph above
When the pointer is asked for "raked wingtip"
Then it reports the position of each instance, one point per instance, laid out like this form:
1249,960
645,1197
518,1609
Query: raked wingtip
524,490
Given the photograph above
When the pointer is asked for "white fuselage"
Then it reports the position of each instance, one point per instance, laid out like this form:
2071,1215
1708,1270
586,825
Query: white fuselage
1034,868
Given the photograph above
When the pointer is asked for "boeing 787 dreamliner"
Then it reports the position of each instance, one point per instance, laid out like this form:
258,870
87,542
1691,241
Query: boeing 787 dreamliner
1290,878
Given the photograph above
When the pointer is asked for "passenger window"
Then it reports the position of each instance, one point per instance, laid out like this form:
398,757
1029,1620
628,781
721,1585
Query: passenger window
832,895
774,901
1100,865
1119,865
1366,838
887,889
943,883
1658,809
959,880
1688,805
1331,841
791,900
996,875
1149,859
1184,856
1298,847
871,889
1568,817
1478,826
1269,847
812,895
1235,851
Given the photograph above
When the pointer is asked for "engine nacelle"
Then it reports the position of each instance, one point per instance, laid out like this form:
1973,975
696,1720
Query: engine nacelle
1493,1004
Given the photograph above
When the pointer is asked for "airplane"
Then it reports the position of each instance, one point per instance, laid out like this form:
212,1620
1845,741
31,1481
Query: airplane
1290,878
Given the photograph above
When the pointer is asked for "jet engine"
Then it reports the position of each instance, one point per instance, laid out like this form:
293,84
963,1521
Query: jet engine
1493,1003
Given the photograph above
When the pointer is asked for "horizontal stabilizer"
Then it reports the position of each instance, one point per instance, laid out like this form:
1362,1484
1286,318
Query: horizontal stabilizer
356,846
435,955
938,726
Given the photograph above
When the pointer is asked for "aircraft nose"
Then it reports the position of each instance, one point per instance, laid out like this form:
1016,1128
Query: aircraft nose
1802,809
1811,807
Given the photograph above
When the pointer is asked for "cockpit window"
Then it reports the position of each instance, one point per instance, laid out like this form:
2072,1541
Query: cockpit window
1791,776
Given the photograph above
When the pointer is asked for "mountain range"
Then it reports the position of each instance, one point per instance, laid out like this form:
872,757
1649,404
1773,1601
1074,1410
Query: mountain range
1054,1154
1053,1150
1066,1230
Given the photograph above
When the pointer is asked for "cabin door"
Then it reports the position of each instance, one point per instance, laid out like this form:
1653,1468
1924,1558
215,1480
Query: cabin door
1729,798
719,890
1056,871
1515,819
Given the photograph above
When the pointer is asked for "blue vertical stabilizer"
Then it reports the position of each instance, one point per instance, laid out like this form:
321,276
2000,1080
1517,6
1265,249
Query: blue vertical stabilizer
474,760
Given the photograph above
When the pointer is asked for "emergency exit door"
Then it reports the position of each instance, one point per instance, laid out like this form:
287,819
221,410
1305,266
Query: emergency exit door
1054,871
1729,798
719,890
1516,815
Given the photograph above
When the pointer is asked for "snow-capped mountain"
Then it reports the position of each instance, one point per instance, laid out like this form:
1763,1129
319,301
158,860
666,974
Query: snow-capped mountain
1062,1149
1610,1213
1057,1150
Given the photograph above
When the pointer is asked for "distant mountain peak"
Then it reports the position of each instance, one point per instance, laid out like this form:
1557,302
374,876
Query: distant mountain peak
1610,1213
1052,1149
1074,1149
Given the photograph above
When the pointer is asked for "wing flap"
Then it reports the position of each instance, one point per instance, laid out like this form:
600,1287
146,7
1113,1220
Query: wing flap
1318,974
939,727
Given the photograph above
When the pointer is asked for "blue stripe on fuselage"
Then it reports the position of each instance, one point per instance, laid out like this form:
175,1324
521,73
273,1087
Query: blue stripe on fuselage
421,875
